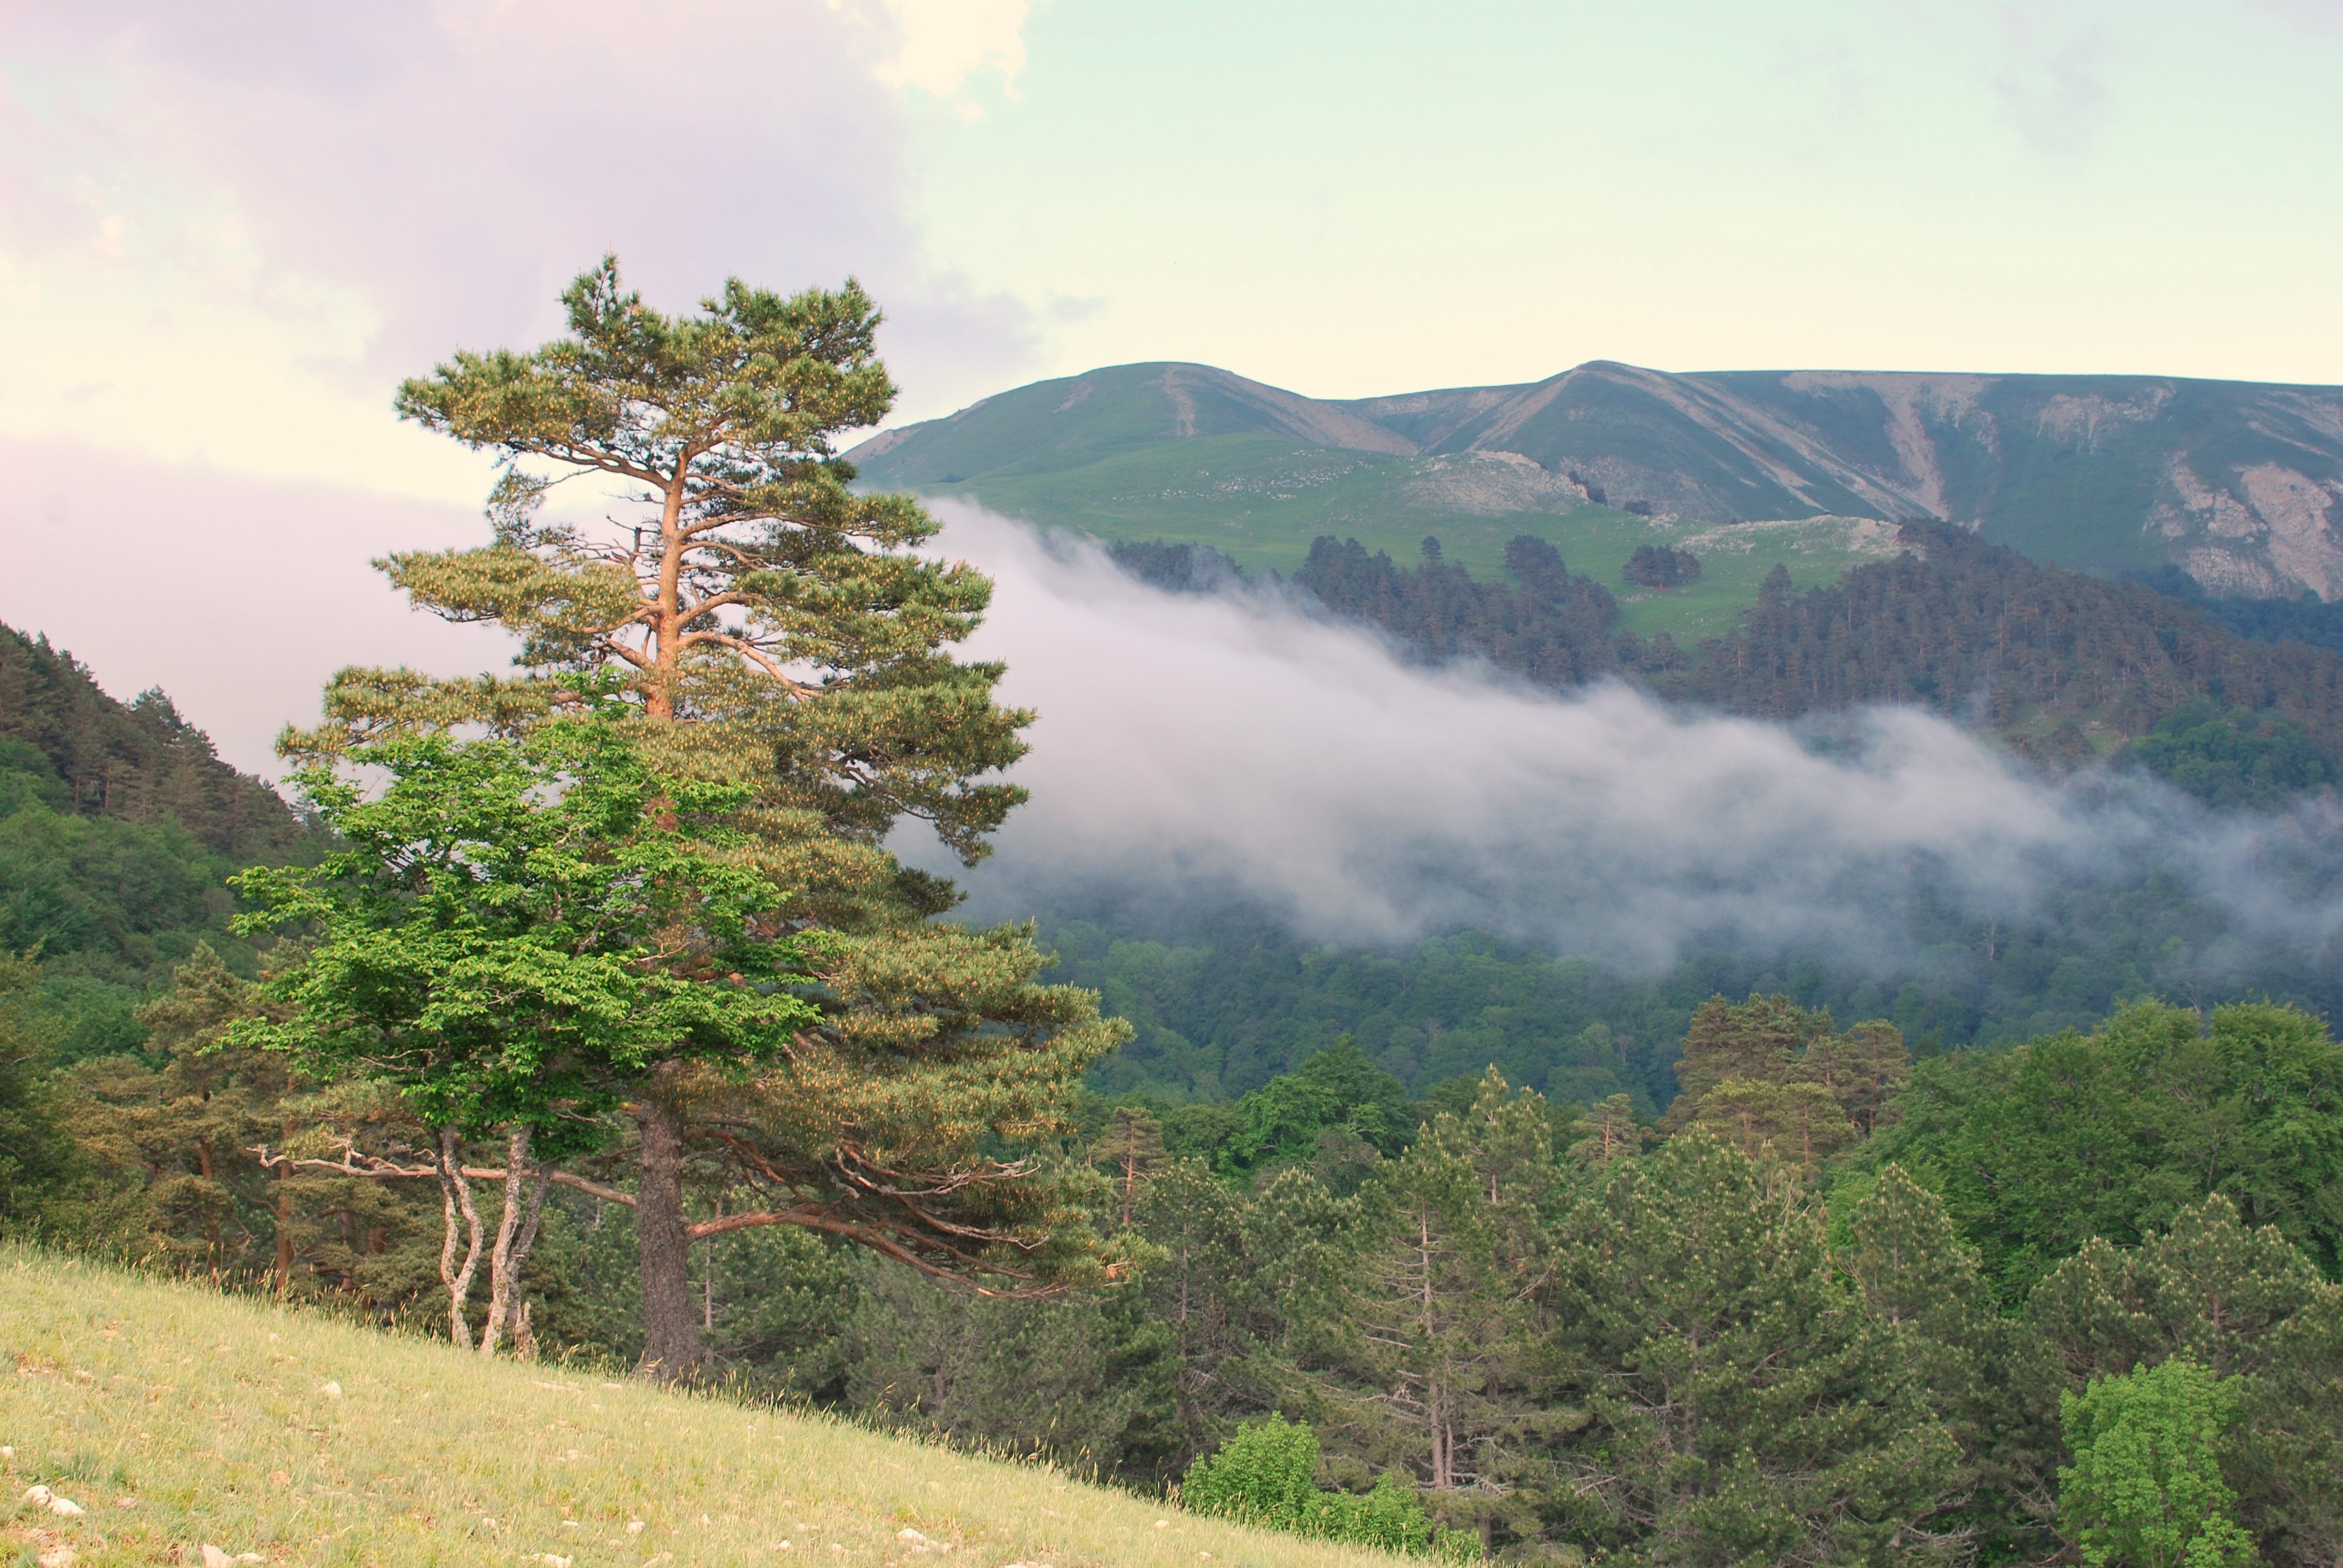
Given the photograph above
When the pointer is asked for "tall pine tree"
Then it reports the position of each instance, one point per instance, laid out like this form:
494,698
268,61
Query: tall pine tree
769,626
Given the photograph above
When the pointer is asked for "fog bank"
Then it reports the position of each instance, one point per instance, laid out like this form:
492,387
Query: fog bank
1193,746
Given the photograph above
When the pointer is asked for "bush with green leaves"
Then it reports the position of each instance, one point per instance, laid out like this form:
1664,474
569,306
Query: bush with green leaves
2146,1489
1267,1473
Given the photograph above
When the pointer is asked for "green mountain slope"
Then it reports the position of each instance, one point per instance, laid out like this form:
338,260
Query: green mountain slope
177,1417
119,829
2238,483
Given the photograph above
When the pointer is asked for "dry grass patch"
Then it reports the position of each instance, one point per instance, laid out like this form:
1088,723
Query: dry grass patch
178,1420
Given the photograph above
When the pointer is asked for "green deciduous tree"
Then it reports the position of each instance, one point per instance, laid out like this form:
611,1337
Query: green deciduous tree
517,933
2145,1488
2248,1306
1266,1474
2038,1149
33,1150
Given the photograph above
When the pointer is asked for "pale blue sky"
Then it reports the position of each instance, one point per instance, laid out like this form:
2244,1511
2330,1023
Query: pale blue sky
1373,197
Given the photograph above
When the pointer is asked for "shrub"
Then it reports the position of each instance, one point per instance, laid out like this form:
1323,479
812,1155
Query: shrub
1267,1475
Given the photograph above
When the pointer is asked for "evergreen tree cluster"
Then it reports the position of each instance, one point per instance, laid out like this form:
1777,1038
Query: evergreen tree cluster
1965,626
78,751
1658,566
608,959
119,827
1509,1325
2307,620
1177,569
1555,628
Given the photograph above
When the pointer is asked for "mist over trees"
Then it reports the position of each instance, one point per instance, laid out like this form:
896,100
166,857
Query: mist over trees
2068,667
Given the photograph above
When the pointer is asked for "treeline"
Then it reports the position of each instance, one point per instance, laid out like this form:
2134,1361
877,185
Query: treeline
2307,620
1221,1003
1962,626
2051,658
141,763
1555,627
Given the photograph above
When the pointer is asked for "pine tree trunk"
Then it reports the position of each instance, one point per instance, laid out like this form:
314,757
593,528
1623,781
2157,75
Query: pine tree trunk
670,1325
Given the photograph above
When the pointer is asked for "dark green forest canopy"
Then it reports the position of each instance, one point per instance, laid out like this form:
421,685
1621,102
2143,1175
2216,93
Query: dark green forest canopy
2036,1148
1225,1001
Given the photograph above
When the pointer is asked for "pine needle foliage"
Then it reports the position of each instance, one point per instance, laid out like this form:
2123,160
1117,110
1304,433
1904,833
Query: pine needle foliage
774,632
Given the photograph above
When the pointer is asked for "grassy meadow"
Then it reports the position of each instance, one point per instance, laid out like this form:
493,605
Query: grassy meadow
1262,499
178,1419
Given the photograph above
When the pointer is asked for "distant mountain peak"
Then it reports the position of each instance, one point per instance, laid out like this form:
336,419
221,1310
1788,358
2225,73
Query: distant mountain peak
2240,484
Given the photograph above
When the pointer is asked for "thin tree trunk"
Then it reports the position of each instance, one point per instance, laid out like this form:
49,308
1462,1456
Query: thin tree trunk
670,1327
284,1222
211,1223
508,1222
456,1195
707,1277
525,1342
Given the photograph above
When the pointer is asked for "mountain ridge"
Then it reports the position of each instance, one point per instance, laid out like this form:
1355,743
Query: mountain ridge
2237,484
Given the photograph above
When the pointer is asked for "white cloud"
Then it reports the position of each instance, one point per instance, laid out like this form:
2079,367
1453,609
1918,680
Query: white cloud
1194,747
941,44
2051,84
226,232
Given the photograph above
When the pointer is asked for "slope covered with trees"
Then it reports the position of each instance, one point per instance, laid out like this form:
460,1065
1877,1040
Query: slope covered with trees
1960,625
119,829
608,988
137,762
2066,666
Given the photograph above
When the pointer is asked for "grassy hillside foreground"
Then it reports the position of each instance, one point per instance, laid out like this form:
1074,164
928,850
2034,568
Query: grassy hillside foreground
177,1419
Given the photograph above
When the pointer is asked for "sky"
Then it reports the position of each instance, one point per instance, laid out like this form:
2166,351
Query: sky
226,231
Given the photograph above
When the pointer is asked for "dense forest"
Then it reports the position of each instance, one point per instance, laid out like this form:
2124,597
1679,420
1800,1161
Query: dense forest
2306,619
1220,1002
2066,667
1962,627
1835,1305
